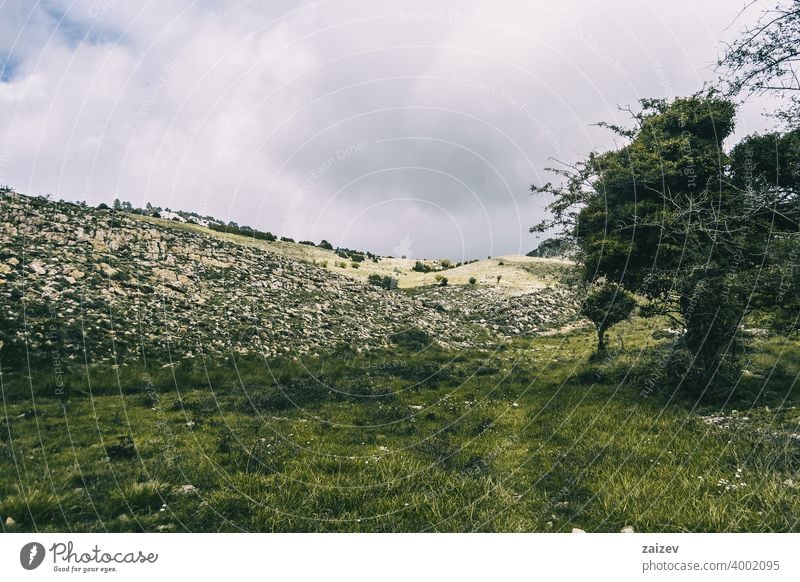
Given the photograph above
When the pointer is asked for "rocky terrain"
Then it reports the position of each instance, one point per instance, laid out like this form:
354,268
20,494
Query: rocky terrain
99,285
526,313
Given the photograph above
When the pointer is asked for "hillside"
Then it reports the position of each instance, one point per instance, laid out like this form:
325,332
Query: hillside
160,377
118,284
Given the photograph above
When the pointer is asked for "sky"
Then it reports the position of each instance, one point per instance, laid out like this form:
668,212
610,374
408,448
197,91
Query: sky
404,128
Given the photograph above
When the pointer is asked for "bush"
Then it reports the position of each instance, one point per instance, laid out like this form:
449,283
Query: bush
287,239
323,244
472,280
605,305
385,282
355,265
421,267
307,243
443,282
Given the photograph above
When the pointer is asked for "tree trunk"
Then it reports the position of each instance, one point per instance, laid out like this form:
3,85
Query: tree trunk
601,342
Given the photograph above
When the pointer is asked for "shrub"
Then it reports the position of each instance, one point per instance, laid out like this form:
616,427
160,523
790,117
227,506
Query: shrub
323,244
307,243
443,282
421,267
605,305
287,239
355,265
385,282
472,280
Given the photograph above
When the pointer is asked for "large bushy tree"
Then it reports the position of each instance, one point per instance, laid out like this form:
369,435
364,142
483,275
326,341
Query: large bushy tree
671,216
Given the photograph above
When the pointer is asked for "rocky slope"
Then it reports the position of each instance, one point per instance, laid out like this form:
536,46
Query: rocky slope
98,285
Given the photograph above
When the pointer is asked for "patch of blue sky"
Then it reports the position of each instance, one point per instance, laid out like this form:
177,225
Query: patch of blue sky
8,68
77,31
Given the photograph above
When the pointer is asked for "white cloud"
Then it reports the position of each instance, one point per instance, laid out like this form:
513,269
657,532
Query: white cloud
231,108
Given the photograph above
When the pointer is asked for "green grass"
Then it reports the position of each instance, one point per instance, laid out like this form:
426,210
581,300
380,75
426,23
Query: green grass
531,437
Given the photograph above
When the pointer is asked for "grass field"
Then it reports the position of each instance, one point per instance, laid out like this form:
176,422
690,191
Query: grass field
531,437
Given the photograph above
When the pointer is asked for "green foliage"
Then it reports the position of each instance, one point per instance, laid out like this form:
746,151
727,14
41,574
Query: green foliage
421,267
233,228
605,305
673,218
325,245
472,280
385,282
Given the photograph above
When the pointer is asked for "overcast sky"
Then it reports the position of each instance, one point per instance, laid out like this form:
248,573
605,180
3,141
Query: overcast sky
398,127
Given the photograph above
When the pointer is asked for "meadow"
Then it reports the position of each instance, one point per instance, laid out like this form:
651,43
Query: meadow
534,436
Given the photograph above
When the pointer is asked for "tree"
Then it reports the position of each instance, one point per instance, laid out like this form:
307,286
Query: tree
605,305
765,58
669,216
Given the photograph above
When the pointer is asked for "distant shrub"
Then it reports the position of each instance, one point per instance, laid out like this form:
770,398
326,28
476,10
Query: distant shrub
355,265
446,264
472,280
421,267
324,264
287,239
443,282
385,282
341,264
308,243
103,206
233,228
323,244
